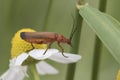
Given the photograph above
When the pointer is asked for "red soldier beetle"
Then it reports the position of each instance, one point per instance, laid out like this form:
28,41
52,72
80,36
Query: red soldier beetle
45,38
48,38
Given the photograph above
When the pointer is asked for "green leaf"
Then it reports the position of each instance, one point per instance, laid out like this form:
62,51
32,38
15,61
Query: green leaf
105,27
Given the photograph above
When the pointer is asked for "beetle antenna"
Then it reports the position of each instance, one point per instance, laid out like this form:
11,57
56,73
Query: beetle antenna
74,28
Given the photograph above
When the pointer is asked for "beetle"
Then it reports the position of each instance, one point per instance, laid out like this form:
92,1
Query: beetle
45,38
49,37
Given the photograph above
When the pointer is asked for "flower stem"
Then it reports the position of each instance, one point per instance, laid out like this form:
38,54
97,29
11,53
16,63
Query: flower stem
34,71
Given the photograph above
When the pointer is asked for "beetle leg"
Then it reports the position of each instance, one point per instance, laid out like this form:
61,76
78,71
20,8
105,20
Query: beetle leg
47,48
31,48
62,50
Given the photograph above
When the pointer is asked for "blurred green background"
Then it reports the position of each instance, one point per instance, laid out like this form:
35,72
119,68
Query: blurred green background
55,16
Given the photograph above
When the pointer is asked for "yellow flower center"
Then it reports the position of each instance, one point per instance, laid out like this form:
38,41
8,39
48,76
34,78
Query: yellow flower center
19,45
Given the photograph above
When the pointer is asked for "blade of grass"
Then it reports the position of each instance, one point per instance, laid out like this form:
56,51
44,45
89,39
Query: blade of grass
98,45
75,42
105,27
45,24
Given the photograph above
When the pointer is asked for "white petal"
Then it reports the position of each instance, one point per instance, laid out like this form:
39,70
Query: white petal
3,76
39,53
21,58
44,68
12,62
71,58
14,72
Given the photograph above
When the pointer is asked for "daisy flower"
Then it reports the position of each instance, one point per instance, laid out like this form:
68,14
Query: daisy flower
23,56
